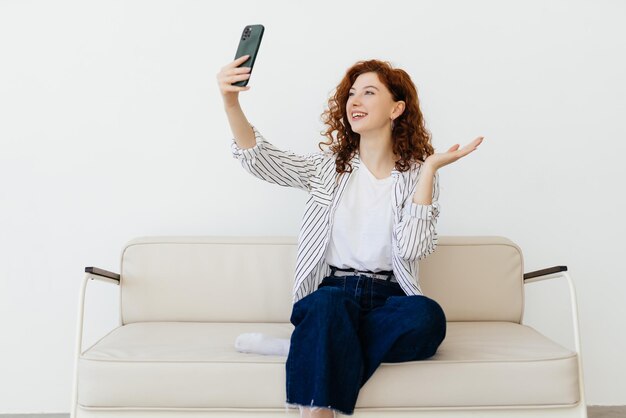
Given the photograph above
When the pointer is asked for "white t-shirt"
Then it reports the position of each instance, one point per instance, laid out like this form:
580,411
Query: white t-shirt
361,232
414,231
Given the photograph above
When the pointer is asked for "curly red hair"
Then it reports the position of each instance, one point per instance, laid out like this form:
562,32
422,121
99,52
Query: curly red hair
411,139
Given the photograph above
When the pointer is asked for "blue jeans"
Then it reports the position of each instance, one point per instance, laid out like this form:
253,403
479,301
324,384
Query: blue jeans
346,328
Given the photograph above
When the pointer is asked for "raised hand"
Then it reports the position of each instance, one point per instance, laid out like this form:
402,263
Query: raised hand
231,73
438,160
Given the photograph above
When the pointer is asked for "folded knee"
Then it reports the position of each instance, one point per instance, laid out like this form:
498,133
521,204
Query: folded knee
421,307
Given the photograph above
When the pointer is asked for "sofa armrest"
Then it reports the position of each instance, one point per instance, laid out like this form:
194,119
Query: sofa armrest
91,273
98,273
543,272
561,272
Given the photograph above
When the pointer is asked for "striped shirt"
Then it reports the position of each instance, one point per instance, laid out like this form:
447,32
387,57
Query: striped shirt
414,234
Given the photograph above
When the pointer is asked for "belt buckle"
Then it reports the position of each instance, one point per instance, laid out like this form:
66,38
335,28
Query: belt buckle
372,275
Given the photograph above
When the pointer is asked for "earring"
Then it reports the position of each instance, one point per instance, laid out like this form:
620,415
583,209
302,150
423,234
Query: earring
392,124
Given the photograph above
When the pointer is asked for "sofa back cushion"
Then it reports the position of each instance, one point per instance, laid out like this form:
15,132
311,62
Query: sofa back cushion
250,279
475,278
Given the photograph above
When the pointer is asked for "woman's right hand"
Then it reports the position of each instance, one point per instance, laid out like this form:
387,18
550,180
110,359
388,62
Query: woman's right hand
232,73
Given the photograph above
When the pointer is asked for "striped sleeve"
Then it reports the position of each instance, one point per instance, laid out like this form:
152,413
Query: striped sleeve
416,231
267,162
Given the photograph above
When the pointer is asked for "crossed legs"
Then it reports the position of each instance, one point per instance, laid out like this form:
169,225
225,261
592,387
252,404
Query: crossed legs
334,349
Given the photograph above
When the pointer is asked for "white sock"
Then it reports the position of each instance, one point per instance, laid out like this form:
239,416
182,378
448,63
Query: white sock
256,342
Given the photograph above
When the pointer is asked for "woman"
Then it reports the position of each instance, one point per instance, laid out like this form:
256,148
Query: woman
371,214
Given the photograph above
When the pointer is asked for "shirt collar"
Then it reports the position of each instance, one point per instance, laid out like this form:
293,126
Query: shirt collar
356,161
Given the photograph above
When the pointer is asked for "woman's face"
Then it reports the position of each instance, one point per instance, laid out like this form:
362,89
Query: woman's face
368,95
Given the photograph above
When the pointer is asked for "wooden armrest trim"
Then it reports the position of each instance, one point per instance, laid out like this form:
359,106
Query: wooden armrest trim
104,273
544,272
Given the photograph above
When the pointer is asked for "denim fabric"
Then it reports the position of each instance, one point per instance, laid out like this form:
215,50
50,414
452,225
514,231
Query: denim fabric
346,328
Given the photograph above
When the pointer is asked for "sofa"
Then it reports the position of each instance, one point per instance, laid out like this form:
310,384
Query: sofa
185,299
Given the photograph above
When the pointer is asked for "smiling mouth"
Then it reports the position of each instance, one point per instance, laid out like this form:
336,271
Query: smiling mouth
358,117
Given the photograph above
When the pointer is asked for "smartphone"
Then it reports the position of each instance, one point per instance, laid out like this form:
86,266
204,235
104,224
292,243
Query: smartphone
249,45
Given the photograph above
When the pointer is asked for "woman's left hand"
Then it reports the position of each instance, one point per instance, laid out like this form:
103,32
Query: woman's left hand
439,160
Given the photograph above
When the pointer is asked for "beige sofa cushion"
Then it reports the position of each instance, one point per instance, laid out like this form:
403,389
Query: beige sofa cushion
194,364
250,279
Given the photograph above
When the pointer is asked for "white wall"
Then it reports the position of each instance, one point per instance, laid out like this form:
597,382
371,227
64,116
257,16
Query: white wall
111,127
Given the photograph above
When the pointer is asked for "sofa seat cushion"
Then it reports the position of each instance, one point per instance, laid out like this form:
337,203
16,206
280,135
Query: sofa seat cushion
195,365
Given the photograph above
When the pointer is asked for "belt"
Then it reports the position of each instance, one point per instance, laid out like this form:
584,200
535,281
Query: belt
380,275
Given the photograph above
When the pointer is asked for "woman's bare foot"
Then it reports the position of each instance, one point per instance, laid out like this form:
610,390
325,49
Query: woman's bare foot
316,413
